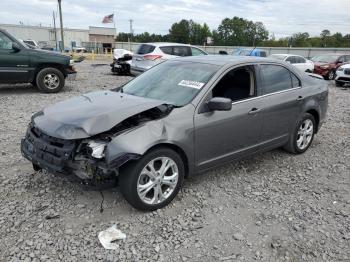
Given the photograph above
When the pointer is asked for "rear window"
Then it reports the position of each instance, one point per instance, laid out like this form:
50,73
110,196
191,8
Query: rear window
145,49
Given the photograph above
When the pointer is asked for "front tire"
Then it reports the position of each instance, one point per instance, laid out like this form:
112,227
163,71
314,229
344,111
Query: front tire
154,180
339,84
303,135
50,80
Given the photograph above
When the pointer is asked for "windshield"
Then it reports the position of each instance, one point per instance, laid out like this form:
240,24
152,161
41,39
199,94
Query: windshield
279,57
176,82
325,58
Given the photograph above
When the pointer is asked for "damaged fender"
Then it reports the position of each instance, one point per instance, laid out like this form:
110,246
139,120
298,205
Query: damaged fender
134,143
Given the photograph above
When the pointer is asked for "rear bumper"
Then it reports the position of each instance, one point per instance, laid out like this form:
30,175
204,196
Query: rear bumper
137,70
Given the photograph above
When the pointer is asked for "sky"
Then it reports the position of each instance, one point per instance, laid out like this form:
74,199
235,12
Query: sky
281,17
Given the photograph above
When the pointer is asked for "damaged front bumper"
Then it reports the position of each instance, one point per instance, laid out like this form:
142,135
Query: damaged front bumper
63,157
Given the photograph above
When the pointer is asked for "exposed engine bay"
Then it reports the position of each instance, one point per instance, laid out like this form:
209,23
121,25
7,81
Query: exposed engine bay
85,158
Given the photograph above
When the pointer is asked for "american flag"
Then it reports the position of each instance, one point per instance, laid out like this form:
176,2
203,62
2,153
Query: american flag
108,19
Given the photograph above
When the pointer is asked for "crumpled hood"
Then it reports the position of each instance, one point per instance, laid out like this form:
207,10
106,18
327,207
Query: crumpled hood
90,114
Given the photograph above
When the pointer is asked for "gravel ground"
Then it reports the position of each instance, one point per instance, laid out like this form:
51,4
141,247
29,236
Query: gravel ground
273,207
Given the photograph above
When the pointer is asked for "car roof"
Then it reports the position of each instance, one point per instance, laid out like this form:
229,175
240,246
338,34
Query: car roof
165,44
287,54
222,60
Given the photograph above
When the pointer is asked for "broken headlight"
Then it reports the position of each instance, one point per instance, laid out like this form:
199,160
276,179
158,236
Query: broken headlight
97,149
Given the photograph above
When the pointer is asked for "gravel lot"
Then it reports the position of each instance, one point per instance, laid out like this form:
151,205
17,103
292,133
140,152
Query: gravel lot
273,207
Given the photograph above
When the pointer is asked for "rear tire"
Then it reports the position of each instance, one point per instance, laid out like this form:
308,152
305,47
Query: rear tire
302,136
135,177
50,80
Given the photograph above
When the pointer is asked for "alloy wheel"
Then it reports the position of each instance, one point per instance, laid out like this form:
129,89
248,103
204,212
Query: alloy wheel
157,180
51,81
305,134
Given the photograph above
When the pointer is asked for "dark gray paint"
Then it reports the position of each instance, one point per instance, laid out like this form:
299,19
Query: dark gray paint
90,114
207,139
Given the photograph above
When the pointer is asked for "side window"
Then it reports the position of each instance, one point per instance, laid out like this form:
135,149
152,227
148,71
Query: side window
295,81
181,51
341,59
263,54
5,42
167,50
347,58
196,51
291,59
276,78
301,59
237,84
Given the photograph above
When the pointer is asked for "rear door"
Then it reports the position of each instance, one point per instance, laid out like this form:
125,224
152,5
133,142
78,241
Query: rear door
14,64
282,103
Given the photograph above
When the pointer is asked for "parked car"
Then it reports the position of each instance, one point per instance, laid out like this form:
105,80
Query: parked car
151,54
298,61
121,61
21,64
250,52
79,49
326,65
343,75
181,117
32,43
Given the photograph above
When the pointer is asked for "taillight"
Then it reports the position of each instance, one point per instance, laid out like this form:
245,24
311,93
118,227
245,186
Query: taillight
152,57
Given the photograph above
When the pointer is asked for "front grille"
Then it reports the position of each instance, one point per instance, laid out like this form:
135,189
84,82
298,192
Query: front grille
47,151
347,71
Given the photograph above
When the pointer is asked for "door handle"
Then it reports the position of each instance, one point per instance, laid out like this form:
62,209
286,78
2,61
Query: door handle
254,111
300,98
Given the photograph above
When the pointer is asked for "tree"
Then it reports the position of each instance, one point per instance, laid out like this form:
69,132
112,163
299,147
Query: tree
324,34
180,32
239,31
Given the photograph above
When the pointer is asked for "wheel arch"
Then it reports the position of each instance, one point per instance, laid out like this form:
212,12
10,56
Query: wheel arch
316,116
58,66
178,150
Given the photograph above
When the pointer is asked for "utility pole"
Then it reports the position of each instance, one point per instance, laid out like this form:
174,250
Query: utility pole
61,21
54,27
131,33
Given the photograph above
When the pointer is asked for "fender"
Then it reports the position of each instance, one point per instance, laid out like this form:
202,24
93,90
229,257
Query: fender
140,139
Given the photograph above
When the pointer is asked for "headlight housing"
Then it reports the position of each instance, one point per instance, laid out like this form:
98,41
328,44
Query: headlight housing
71,62
340,69
97,149
324,66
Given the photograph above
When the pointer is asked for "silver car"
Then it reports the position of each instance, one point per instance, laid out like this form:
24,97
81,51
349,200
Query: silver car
179,118
151,54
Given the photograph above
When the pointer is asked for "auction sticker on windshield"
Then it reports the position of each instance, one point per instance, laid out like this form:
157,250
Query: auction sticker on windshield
193,84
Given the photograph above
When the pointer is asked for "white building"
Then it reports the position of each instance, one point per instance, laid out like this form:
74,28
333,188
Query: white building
46,35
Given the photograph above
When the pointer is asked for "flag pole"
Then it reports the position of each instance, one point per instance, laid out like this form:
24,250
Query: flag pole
114,18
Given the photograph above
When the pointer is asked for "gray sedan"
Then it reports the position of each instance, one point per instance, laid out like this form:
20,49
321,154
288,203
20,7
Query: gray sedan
181,117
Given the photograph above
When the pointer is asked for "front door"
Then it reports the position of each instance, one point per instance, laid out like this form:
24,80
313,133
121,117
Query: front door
221,136
14,64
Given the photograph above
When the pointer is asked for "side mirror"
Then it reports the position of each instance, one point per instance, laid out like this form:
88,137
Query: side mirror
16,47
219,104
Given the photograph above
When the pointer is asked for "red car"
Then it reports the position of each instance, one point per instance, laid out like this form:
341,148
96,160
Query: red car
326,65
